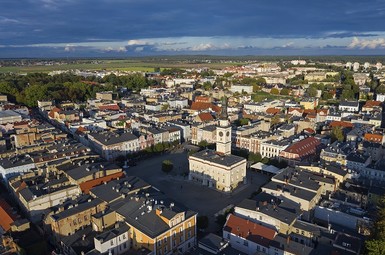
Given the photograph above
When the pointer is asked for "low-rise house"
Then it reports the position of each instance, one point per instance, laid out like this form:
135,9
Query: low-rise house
301,150
349,106
72,216
36,194
277,213
115,241
247,236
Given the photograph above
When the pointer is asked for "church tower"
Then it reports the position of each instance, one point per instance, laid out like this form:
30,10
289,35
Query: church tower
224,131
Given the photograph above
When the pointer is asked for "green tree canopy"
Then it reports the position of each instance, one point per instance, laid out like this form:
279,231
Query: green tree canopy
274,91
167,166
311,91
285,92
337,134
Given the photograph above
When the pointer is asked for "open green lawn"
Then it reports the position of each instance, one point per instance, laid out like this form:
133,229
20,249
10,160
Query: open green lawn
123,65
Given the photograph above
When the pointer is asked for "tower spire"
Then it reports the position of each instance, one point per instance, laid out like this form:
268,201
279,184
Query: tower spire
224,115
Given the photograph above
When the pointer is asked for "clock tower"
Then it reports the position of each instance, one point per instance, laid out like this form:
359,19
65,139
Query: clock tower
224,131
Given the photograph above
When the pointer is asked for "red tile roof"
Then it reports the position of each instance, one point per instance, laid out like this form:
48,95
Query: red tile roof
372,103
303,148
205,116
341,124
110,107
198,106
273,111
86,186
309,131
376,138
6,215
291,109
249,230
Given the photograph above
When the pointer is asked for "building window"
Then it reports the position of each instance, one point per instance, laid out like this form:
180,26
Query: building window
112,242
245,243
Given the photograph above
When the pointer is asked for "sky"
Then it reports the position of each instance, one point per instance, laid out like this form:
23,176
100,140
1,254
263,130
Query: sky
122,28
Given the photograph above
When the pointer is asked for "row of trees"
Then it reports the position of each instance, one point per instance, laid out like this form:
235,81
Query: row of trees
376,244
28,89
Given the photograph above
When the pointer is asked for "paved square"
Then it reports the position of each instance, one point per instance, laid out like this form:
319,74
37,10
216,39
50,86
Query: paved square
199,198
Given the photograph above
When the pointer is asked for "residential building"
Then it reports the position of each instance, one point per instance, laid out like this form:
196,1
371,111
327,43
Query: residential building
349,106
111,145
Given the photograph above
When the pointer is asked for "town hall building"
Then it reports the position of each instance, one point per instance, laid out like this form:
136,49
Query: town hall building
219,169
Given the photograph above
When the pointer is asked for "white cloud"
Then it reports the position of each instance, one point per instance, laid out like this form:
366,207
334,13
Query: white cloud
5,20
69,47
138,42
367,43
122,49
287,45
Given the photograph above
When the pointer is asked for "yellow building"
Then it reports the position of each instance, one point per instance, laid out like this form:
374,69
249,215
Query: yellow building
158,225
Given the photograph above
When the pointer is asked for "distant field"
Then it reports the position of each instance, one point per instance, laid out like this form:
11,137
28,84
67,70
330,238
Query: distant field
123,65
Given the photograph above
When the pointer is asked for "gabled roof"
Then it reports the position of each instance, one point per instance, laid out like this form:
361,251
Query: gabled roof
303,147
273,110
199,106
205,117
343,124
5,215
249,230
110,107
372,103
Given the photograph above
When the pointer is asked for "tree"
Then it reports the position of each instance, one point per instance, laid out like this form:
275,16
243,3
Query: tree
255,157
202,222
337,134
243,121
311,91
376,244
207,85
285,92
167,166
380,89
275,120
165,107
274,91
326,95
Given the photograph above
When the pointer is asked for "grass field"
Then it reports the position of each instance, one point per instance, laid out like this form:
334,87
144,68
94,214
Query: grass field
123,65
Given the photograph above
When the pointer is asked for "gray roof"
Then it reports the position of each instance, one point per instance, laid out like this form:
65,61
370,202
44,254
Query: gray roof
140,211
281,242
8,113
118,230
294,191
210,128
349,103
77,172
298,177
77,208
110,138
114,189
19,160
212,156
279,208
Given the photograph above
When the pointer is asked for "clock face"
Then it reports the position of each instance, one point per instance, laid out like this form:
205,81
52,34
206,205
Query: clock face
227,133
220,133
